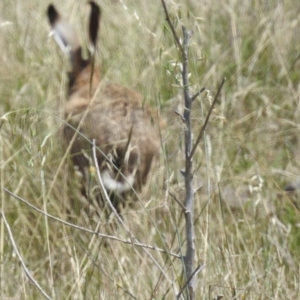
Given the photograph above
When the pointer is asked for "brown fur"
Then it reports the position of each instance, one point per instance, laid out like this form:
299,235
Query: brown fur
113,115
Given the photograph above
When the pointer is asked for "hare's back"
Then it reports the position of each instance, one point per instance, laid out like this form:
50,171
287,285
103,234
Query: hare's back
116,114
120,126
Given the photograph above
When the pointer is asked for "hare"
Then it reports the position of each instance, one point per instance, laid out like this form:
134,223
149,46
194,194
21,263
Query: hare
126,139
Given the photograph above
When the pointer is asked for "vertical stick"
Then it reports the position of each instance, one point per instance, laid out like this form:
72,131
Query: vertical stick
189,200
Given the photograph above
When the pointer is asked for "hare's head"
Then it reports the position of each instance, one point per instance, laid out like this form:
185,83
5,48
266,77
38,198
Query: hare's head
67,39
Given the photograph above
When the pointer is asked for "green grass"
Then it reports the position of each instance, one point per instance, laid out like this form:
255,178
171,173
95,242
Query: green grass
251,248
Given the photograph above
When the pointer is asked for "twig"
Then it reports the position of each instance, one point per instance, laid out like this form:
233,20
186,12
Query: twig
111,237
132,237
27,272
76,134
171,26
180,115
105,192
197,270
197,94
89,255
207,119
173,196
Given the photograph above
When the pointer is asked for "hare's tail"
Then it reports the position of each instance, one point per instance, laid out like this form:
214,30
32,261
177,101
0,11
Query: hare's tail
117,186
118,174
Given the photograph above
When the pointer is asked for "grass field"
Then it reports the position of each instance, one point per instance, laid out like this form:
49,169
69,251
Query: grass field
247,228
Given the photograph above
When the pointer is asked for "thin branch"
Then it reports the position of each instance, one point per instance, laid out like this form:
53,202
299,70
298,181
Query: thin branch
173,196
180,115
197,270
172,26
207,119
92,75
100,267
132,237
27,272
76,134
105,192
111,237
197,94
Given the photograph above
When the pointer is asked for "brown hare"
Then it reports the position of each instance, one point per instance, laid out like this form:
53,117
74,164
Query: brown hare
114,116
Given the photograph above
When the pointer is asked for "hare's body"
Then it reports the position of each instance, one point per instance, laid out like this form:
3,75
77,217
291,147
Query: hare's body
112,115
121,128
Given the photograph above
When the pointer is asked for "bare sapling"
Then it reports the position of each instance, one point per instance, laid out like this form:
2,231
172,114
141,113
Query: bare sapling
189,258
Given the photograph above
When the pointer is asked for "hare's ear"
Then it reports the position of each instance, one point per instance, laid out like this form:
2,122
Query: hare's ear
64,34
93,25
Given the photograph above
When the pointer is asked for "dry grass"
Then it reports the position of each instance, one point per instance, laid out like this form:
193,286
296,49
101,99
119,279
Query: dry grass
247,229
